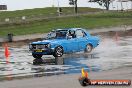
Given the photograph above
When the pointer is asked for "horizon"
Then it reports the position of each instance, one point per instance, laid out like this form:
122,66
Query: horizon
24,4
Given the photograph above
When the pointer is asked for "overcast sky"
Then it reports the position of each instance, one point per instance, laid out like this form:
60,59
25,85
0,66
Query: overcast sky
29,4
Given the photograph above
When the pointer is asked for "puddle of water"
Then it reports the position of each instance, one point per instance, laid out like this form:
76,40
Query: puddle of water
109,54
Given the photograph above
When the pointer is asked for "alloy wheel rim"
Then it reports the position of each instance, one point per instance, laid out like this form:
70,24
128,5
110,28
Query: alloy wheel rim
59,51
88,48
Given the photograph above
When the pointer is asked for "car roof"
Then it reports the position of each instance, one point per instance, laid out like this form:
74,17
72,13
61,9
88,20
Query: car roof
68,29
75,28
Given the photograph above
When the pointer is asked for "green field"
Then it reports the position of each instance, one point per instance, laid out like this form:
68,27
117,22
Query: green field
45,12
88,21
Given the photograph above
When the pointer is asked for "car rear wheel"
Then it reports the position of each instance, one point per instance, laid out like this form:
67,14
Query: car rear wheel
89,48
58,52
37,56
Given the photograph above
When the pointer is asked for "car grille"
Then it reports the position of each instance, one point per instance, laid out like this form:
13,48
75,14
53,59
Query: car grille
44,46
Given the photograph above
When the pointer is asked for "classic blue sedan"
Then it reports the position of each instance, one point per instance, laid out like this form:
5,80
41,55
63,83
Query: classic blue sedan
62,41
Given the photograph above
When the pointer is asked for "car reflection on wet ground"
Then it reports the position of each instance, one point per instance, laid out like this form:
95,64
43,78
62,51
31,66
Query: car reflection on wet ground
110,54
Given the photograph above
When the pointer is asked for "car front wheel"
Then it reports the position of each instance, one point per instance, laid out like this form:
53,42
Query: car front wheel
88,48
58,52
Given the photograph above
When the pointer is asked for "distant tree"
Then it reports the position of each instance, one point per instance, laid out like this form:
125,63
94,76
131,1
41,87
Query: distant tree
105,3
73,2
75,6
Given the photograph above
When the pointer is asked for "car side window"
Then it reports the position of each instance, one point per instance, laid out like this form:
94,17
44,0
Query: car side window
51,35
72,34
79,33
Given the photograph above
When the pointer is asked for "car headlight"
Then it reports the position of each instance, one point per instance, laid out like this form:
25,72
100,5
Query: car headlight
48,45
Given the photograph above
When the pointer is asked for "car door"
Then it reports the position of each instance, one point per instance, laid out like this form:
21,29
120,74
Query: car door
72,43
81,38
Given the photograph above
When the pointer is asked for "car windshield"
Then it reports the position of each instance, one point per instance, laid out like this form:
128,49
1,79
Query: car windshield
58,34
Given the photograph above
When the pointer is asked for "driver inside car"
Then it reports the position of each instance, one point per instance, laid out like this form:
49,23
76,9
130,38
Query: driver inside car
72,34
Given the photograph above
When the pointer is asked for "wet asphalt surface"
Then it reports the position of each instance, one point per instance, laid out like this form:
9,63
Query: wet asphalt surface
113,52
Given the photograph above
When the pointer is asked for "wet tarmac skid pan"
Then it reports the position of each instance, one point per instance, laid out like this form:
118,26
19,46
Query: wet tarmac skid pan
49,60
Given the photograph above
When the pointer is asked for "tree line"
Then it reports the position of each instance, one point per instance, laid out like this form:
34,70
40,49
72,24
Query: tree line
105,3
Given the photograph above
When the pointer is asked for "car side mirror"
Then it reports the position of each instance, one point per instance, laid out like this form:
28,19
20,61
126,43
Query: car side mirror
69,37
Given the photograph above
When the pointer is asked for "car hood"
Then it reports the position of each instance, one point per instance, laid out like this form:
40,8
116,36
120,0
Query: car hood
49,41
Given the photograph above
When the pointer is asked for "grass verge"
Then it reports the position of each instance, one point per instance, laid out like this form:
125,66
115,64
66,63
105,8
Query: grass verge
88,21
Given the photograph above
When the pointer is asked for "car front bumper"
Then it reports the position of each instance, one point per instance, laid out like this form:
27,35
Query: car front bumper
43,52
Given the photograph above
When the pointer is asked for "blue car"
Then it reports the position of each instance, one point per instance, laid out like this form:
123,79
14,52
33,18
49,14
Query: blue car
62,41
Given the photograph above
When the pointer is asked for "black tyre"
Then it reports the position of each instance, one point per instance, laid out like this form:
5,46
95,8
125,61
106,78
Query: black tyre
58,52
37,56
88,48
